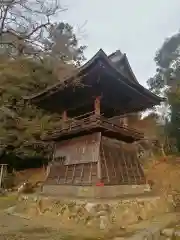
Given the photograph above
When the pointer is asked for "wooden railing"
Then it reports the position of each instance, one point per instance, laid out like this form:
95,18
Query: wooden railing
91,120
118,126
85,115
87,119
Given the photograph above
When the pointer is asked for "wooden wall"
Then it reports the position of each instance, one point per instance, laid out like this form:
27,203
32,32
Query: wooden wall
84,149
76,160
118,164
77,174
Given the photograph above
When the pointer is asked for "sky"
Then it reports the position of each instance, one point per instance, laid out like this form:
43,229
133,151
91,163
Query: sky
136,27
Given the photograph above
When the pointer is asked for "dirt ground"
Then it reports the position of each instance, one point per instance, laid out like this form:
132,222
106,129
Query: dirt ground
18,227
165,175
13,227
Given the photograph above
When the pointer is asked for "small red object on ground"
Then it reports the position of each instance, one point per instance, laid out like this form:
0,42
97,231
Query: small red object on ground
99,184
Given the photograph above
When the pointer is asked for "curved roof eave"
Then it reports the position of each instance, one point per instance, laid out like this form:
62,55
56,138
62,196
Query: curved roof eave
130,69
66,80
123,60
99,55
130,83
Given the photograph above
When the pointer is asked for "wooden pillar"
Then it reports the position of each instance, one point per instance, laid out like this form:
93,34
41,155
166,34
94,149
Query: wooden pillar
64,118
125,121
99,173
3,172
97,104
1,175
98,148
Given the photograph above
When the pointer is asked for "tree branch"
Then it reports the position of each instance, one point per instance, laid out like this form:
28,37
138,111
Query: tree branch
38,28
3,19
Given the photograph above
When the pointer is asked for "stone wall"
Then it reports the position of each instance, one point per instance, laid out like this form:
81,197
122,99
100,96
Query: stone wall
104,214
95,191
171,233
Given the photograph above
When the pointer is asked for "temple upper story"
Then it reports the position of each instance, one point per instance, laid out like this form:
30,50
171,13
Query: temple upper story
107,81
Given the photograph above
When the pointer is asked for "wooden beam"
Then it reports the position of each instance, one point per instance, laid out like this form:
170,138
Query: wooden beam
73,174
64,116
82,172
97,106
132,168
3,172
125,163
105,162
1,175
117,157
123,121
90,173
99,173
99,166
66,173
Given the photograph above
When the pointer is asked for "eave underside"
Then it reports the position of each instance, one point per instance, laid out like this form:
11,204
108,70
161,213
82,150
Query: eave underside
116,98
98,78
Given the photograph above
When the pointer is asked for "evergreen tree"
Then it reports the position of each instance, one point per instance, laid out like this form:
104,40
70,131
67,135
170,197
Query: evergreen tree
167,82
35,52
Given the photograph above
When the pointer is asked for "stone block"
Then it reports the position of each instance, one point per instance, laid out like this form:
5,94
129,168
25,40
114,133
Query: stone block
91,207
104,223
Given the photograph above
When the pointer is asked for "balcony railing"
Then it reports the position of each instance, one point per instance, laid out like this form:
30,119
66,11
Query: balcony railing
91,120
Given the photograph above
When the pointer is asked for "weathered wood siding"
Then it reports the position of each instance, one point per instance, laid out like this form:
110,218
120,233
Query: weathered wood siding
80,150
76,162
120,163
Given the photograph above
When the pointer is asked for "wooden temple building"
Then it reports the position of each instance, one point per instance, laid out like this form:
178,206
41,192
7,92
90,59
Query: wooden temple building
95,149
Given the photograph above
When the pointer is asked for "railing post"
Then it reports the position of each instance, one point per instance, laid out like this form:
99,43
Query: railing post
1,175
124,121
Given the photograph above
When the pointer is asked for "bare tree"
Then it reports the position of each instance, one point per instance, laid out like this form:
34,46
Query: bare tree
24,22
27,27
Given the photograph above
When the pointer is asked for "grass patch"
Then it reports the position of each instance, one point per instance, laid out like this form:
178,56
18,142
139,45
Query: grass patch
7,201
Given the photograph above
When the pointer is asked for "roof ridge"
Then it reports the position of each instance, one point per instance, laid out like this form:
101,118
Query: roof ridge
114,53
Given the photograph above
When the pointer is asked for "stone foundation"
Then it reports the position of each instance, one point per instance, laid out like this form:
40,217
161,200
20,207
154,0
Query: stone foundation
104,214
95,191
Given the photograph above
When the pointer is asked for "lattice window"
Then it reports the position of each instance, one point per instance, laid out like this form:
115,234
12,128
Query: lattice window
60,160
